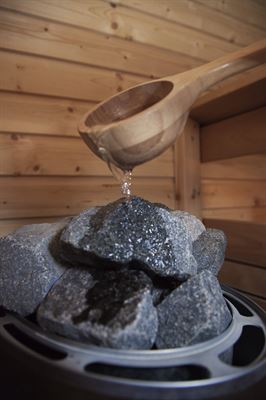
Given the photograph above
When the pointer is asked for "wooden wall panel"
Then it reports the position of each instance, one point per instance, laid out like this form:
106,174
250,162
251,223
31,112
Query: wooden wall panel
188,169
45,155
246,167
232,193
233,137
28,74
245,277
33,114
248,214
43,37
246,241
199,16
23,197
128,24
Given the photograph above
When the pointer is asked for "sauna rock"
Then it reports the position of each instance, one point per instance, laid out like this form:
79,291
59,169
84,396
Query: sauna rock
28,266
194,312
209,250
132,231
112,309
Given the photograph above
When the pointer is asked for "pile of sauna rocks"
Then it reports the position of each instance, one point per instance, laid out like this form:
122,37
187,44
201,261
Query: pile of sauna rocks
128,275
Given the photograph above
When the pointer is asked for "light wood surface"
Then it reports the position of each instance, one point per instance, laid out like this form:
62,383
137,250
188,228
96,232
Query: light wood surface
236,136
246,241
188,169
249,214
38,155
224,193
34,114
245,277
23,197
200,16
28,74
53,38
245,167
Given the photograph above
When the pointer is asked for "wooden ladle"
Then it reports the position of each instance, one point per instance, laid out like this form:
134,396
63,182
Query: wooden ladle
139,123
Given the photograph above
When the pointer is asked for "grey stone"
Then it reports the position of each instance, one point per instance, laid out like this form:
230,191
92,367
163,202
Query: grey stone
110,308
194,225
28,266
194,312
209,250
130,231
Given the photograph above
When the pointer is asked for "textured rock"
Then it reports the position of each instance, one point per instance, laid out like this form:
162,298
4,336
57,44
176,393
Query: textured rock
132,231
194,312
27,267
111,309
194,226
209,250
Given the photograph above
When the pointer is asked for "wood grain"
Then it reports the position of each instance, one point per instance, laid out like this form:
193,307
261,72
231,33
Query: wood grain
246,240
244,277
188,169
234,137
24,154
232,193
249,214
33,114
248,11
128,24
246,167
44,37
26,197
36,75
199,17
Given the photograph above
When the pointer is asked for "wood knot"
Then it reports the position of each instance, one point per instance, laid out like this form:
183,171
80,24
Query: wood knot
114,25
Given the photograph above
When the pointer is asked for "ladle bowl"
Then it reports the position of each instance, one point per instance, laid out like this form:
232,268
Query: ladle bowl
139,123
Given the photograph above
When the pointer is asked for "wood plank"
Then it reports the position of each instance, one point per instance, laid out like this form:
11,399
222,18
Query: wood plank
236,95
244,277
246,167
233,137
246,240
44,37
249,214
40,155
259,301
35,75
248,11
26,197
200,17
232,193
127,24
8,226
41,115
188,169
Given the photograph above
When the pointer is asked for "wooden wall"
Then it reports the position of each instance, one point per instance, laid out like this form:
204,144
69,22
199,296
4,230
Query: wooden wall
60,57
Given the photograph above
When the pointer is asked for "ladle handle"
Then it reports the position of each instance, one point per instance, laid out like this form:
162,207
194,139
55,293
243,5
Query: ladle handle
226,66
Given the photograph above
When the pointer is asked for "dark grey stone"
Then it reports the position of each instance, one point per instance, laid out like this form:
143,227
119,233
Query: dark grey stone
130,231
194,312
112,308
209,250
27,267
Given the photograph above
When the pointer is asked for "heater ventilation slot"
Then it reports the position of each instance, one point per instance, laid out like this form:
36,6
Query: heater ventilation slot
2,312
168,374
33,344
247,348
239,306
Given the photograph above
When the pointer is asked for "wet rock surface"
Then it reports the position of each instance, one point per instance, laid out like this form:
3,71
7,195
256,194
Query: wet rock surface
194,312
132,231
209,250
113,309
28,267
